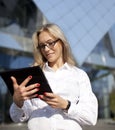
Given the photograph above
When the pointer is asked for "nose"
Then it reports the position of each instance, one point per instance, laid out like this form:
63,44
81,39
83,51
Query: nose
46,48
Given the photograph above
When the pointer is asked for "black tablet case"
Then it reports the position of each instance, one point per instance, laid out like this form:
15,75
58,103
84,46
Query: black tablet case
22,73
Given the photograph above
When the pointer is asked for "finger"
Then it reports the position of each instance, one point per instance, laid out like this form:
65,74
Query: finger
49,95
32,92
51,102
14,81
33,96
26,81
33,86
45,98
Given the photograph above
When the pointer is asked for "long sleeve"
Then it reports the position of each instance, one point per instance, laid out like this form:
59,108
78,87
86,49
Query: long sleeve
20,114
86,110
70,83
76,87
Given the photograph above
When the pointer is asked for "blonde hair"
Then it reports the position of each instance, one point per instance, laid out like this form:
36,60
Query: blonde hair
56,32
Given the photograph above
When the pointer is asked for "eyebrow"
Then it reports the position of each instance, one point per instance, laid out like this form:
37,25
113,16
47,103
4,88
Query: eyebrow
49,40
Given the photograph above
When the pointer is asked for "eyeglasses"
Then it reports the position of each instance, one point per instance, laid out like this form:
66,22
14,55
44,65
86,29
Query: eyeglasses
49,45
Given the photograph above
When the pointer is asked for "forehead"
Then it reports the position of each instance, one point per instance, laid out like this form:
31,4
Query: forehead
44,36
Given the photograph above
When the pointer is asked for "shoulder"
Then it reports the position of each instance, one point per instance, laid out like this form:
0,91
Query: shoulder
79,72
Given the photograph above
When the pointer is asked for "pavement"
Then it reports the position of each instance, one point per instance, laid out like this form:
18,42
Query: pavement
101,125
106,124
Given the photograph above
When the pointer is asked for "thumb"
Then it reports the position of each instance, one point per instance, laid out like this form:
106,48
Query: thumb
14,81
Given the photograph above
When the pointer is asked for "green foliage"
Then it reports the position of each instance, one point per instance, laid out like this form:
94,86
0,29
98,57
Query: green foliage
112,102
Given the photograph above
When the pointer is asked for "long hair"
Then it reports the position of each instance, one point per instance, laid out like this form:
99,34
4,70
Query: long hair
56,32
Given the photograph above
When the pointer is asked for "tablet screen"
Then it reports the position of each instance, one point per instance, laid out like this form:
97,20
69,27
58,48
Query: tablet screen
22,73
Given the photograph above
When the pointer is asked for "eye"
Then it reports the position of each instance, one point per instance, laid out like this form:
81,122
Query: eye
43,46
51,43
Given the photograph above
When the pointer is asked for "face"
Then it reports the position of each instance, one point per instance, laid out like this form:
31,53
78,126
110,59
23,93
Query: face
53,54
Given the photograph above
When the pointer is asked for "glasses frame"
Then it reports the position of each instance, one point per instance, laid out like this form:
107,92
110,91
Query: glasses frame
50,45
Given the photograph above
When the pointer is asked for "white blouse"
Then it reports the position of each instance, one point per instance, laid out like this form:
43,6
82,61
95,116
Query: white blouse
70,83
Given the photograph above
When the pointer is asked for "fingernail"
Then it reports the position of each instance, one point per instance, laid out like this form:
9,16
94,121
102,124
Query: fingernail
45,94
39,96
38,85
30,77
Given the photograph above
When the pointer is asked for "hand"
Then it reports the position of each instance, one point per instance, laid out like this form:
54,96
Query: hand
22,93
55,101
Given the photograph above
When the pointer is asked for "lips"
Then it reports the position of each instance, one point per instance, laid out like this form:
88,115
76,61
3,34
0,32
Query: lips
49,54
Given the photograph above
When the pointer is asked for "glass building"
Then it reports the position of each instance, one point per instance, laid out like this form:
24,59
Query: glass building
89,26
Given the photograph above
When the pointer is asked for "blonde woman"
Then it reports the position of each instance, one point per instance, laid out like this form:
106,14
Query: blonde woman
72,103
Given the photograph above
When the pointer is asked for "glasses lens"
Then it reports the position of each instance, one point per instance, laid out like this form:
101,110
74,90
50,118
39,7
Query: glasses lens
49,45
42,46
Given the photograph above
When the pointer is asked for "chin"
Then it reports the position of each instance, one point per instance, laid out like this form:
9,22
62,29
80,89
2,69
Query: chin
51,60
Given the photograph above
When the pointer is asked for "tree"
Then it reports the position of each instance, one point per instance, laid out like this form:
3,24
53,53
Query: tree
112,103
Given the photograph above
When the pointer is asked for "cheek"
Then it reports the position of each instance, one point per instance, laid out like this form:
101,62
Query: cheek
60,51
59,48
43,54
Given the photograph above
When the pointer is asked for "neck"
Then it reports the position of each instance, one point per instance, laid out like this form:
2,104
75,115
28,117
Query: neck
56,65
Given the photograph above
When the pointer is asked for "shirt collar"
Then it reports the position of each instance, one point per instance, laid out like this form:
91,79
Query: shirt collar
48,68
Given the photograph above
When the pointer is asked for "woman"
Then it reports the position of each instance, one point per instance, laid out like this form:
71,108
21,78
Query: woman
72,103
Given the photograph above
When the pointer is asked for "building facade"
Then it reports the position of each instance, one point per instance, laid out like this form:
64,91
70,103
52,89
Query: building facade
89,27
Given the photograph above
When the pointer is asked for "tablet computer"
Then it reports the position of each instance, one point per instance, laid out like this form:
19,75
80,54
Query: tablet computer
22,73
